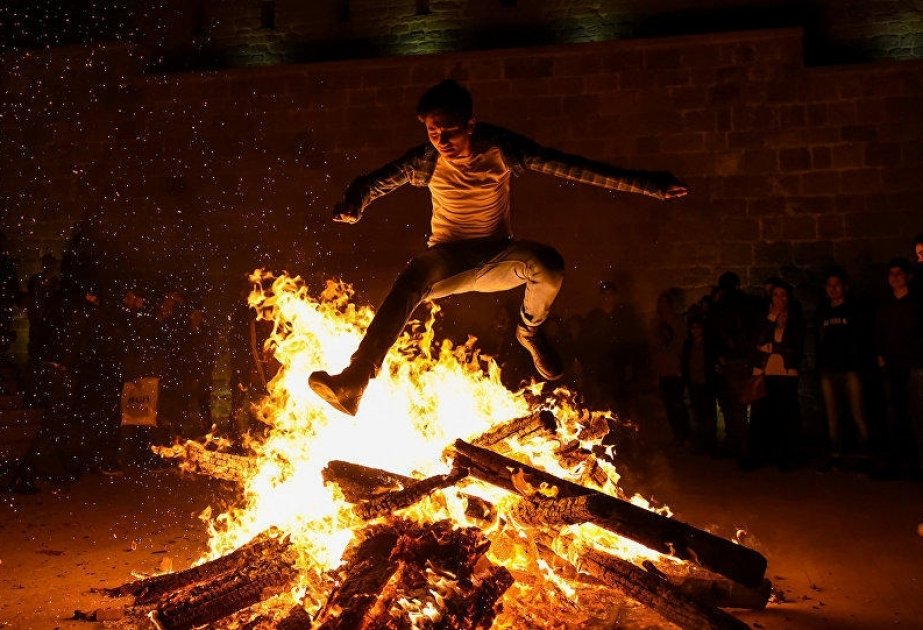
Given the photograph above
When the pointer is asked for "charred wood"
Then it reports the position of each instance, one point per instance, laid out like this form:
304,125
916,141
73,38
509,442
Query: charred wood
518,427
270,542
361,483
477,608
296,619
389,502
665,535
651,589
366,568
207,602
724,593
442,559
546,511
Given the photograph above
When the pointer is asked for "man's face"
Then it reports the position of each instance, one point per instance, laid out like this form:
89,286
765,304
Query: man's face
918,249
779,298
835,289
451,137
897,278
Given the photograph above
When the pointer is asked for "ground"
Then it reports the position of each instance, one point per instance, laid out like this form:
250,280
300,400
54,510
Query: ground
842,548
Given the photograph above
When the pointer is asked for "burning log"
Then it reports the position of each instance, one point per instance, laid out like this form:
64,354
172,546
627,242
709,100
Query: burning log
667,536
719,592
649,588
206,602
397,564
398,499
198,459
361,483
518,427
147,590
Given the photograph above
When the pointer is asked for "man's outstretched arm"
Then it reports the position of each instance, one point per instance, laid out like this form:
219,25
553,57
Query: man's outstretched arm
367,188
657,184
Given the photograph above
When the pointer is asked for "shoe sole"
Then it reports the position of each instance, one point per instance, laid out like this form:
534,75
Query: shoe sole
330,397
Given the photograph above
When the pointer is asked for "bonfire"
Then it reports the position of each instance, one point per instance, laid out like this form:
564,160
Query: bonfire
449,501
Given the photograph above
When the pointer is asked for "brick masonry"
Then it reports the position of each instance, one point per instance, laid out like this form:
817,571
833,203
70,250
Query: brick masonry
239,32
203,176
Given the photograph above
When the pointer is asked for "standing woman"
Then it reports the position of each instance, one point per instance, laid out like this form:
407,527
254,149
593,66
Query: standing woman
775,424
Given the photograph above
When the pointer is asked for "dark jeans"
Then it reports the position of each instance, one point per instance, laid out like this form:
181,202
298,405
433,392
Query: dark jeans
704,418
481,265
672,389
734,374
775,424
904,393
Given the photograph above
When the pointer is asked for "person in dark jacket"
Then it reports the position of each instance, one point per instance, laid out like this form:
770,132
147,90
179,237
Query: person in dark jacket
667,334
899,344
467,167
841,341
732,317
775,424
698,366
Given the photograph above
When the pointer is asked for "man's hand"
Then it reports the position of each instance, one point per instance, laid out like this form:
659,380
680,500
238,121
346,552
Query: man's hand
676,191
345,212
670,187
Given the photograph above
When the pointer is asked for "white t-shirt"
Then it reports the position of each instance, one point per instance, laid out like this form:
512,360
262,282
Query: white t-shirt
471,198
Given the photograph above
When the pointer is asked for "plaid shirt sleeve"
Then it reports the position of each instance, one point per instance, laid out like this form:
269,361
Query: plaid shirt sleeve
535,157
367,188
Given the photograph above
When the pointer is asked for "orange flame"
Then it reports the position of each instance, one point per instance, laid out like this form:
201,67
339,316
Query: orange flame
424,398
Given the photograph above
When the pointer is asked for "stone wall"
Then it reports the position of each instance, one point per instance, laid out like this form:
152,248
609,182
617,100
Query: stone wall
270,31
199,177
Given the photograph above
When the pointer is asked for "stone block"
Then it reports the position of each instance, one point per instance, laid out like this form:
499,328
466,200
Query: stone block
682,142
847,155
859,133
821,157
831,226
770,228
808,205
734,254
792,116
883,154
798,159
820,183
739,228
765,206
902,108
799,228
601,84
577,65
866,180
773,254
528,68
817,254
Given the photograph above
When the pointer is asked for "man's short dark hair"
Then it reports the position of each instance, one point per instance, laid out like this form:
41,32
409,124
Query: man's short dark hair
728,281
837,272
901,263
918,239
447,98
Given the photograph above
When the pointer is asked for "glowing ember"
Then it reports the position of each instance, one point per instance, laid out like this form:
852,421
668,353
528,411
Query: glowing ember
425,398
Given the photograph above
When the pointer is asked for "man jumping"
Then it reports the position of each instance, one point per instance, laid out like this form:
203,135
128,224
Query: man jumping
467,168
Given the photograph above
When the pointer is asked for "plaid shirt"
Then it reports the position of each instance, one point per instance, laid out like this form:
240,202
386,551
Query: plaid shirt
520,154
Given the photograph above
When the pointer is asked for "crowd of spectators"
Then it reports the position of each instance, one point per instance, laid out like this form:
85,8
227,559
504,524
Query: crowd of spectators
733,376
85,343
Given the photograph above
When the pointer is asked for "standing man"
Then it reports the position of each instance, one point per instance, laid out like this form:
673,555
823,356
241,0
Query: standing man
899,344
467,168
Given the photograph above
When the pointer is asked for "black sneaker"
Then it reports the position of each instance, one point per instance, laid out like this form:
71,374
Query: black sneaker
342,391
547,362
